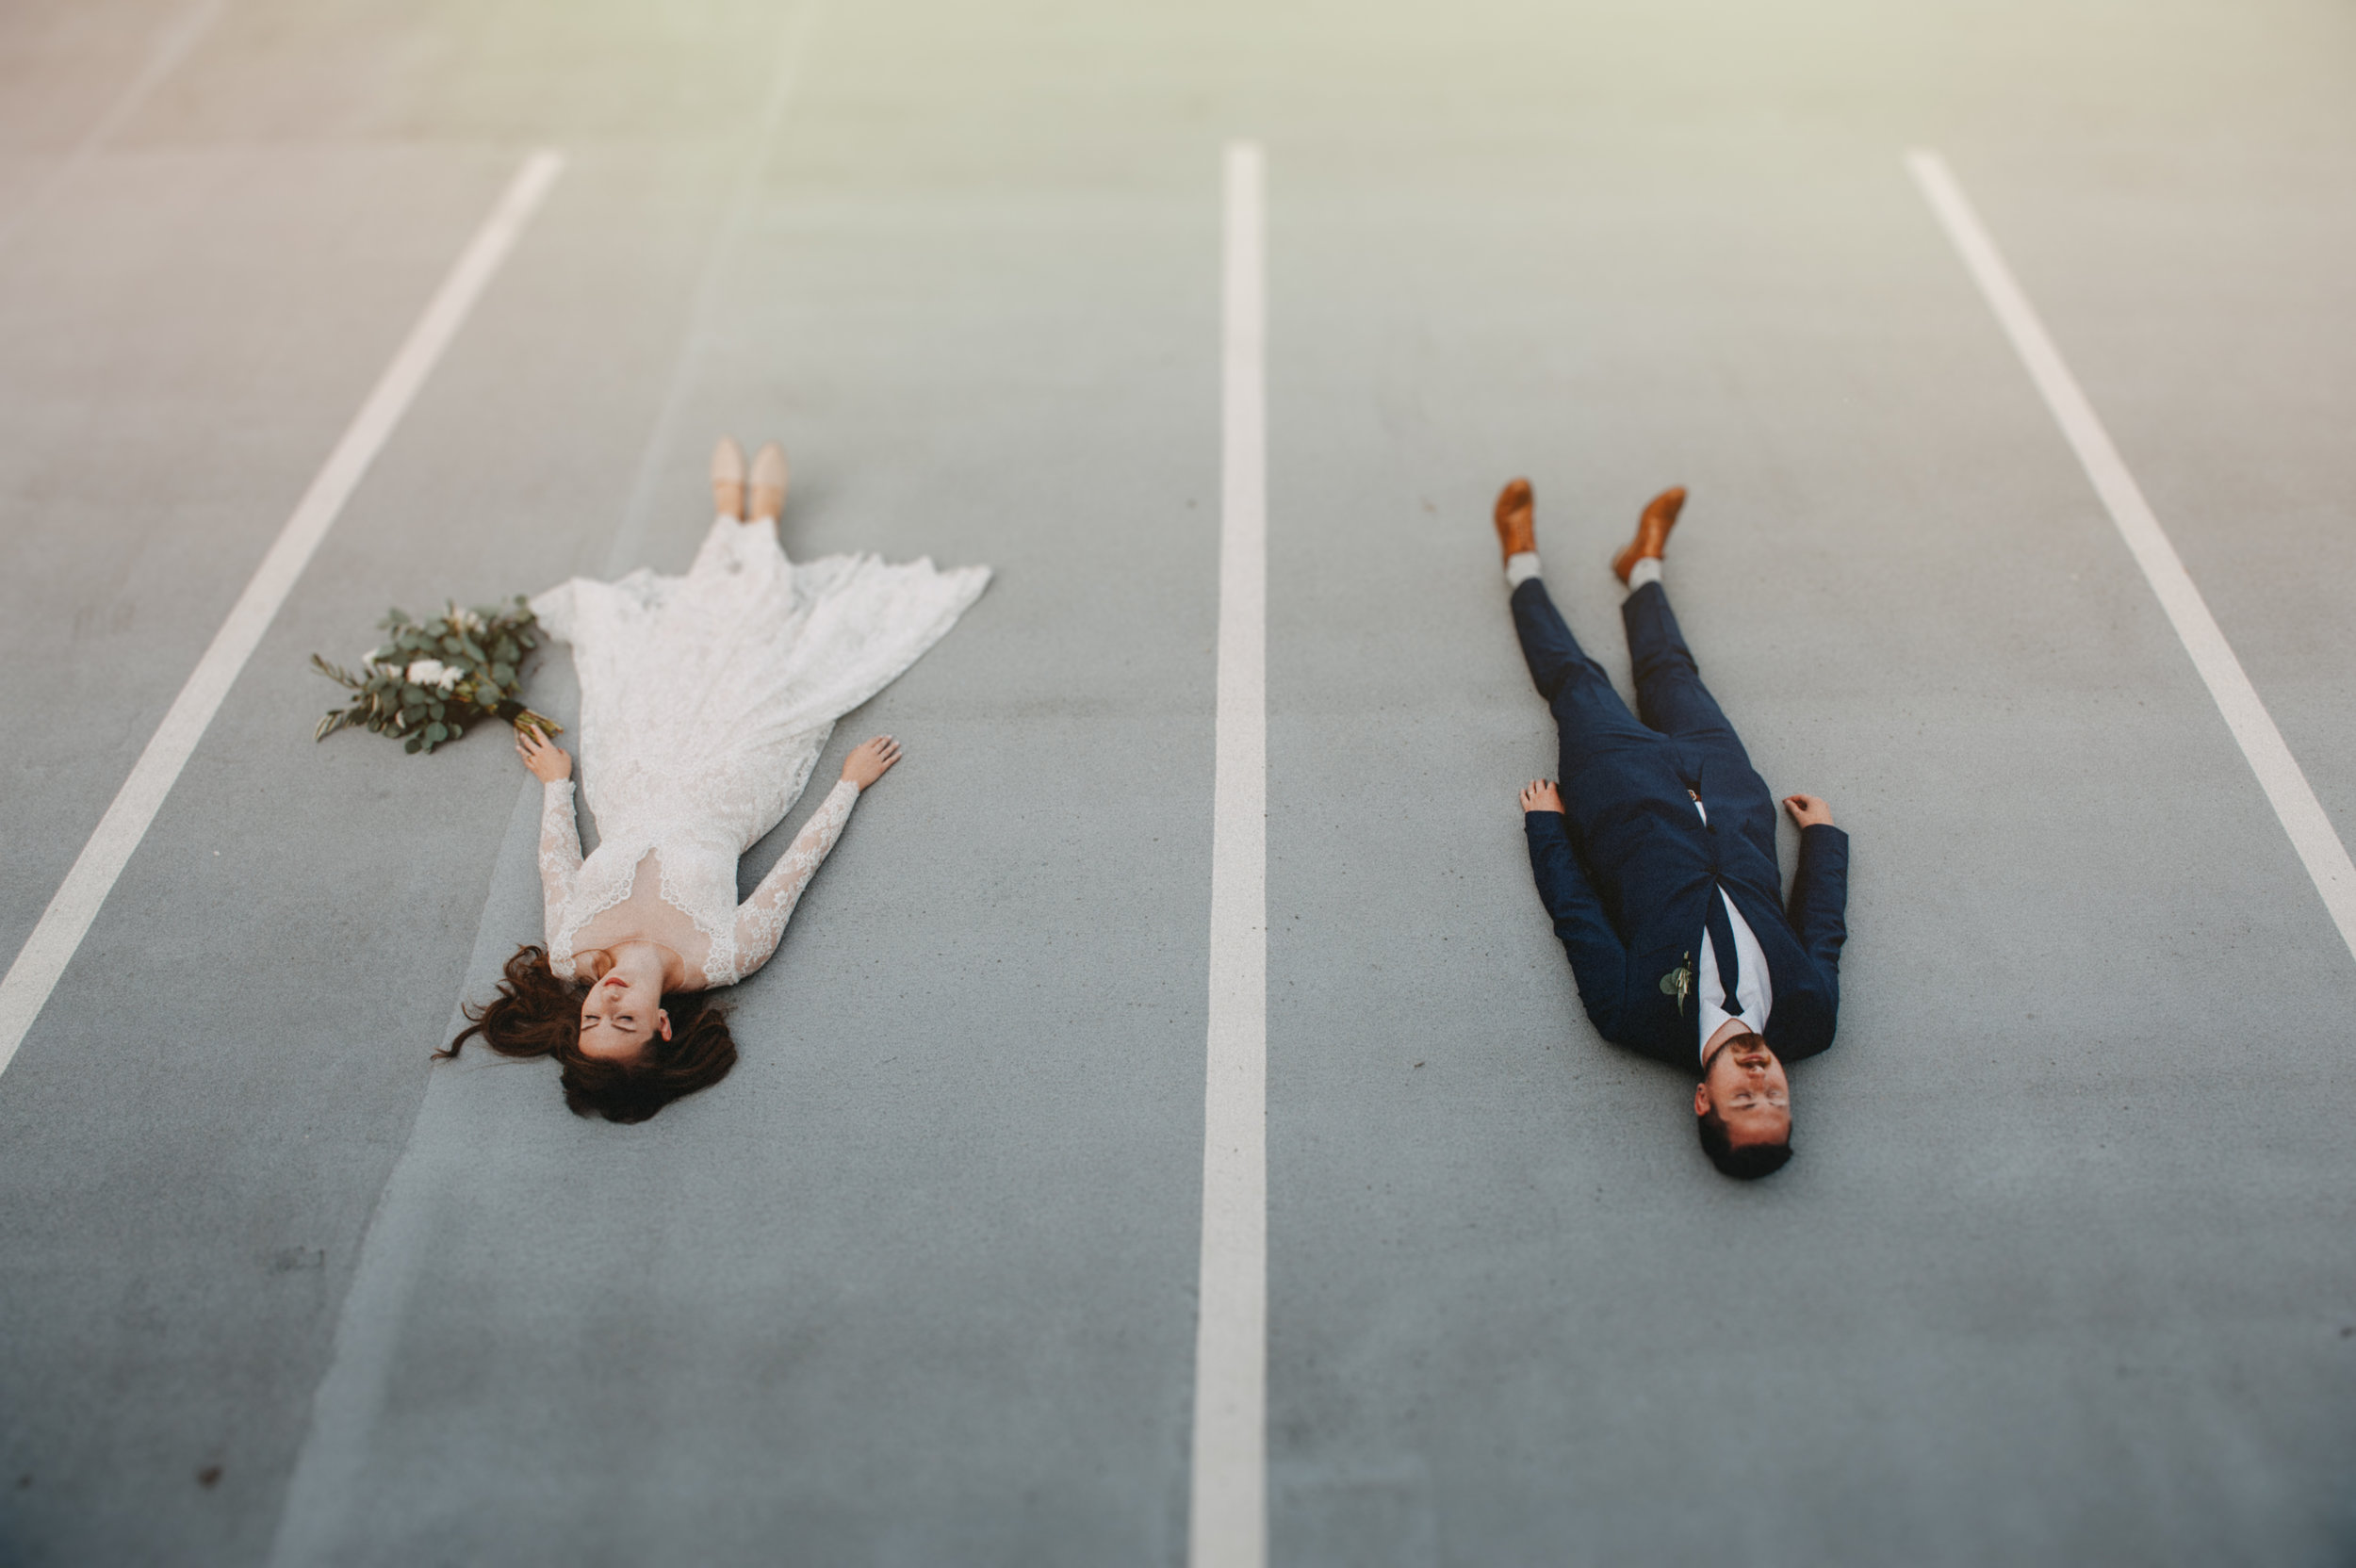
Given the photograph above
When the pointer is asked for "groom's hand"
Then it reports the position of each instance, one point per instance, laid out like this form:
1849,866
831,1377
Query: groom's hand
1540,794
1809,811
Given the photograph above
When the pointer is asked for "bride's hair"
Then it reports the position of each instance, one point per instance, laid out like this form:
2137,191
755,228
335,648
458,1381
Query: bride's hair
535,1014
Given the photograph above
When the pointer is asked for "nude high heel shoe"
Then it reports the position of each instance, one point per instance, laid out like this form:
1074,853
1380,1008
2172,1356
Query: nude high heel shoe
728,478
768,501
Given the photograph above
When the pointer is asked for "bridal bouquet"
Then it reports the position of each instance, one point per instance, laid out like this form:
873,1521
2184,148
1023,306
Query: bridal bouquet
435,677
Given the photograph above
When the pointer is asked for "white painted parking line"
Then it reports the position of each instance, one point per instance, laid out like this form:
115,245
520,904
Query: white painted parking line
62,926
333,1467
1227,1522
2286,787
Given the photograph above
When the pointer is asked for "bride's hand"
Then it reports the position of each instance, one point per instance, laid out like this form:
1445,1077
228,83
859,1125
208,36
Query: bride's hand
548,760
869,759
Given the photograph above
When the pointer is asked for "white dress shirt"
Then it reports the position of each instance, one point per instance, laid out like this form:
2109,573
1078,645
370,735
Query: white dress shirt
1752,986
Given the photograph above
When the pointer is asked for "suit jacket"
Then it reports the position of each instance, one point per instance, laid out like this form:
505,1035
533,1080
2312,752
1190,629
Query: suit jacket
1629,903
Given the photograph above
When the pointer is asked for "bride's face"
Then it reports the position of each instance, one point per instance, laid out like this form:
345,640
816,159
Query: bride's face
619,1015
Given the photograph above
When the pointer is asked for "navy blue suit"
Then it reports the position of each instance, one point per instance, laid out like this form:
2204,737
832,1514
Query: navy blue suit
1627,868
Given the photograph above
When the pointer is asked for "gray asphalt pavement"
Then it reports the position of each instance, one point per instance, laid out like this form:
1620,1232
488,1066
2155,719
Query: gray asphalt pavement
2061,1273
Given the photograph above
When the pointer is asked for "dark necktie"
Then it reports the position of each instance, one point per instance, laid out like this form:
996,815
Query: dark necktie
1721,931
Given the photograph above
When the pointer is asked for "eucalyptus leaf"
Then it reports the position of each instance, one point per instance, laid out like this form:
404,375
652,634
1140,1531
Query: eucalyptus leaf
482,650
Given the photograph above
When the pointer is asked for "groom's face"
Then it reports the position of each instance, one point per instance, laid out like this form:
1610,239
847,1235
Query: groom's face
1745,1083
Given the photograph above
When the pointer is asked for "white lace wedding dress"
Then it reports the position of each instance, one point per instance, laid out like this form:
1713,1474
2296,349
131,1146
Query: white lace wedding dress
705,701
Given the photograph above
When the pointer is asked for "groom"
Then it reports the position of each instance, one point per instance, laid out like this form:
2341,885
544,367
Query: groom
1656,856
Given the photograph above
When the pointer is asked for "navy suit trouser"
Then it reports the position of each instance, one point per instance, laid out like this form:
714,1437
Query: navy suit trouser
1678,736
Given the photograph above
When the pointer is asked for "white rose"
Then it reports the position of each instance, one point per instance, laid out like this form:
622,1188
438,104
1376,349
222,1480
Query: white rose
426,672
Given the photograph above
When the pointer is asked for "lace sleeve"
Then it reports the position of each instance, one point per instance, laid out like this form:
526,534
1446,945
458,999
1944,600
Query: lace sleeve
559,864
761,919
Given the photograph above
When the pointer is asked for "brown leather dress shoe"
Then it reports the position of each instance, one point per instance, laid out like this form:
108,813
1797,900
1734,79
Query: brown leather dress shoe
1652,531
1516,514
728,478
768,481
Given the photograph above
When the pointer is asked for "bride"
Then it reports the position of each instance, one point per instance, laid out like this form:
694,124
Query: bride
705,701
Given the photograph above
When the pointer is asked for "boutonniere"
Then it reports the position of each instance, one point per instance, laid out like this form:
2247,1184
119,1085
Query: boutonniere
1678,983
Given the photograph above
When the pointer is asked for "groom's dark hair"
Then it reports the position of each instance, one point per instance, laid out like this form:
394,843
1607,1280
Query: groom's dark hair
1746,1164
